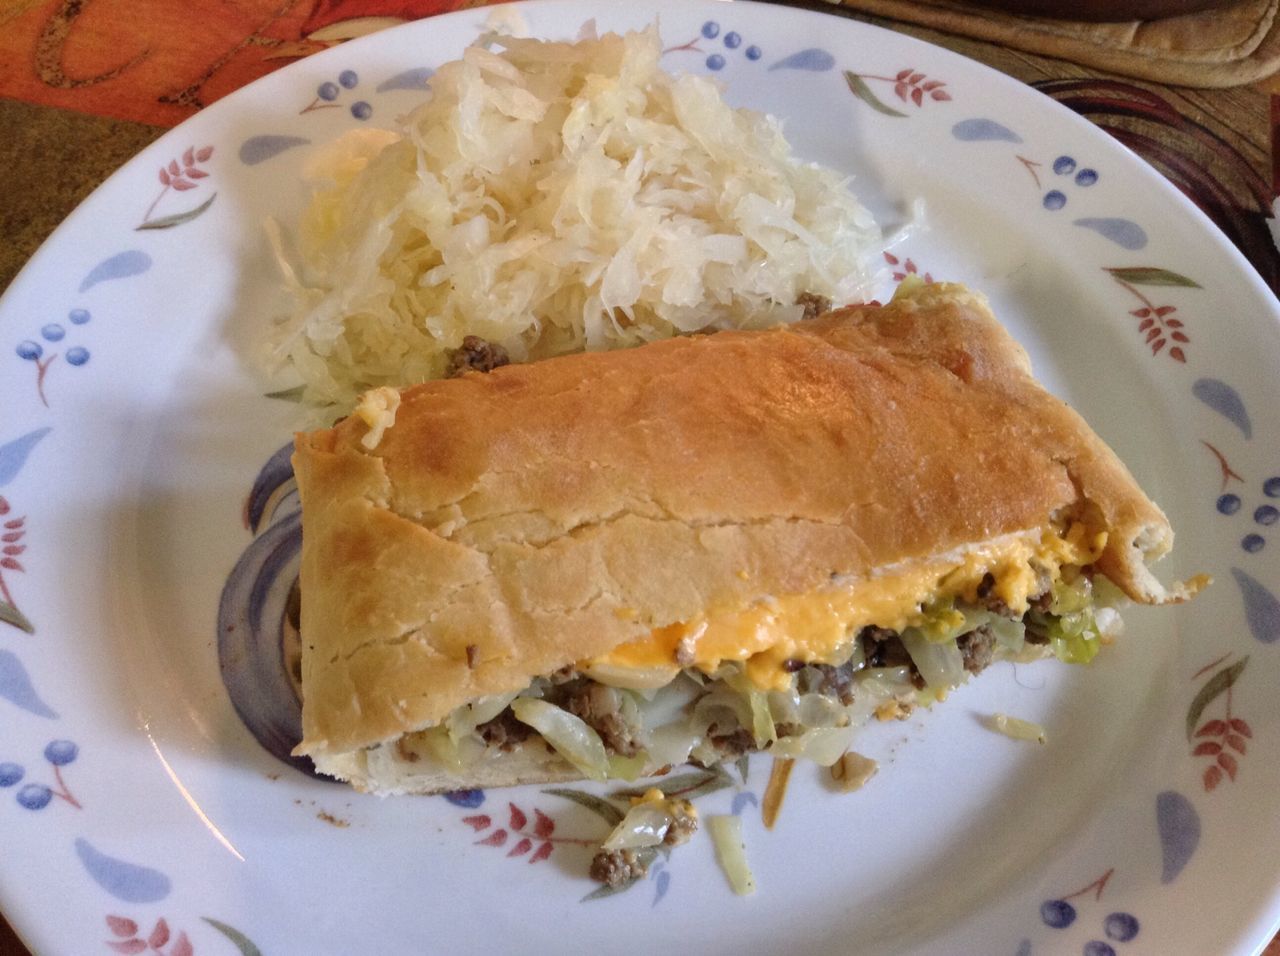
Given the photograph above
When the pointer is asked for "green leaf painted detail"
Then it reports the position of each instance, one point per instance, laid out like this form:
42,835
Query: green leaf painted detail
11,615
1146,275
1216,685
178,218
288,394
602,808
858,87
685,785
243,943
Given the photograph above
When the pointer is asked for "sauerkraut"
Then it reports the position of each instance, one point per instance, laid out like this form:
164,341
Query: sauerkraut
551,197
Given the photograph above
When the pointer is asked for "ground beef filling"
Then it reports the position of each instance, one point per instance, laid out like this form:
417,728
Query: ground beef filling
602,707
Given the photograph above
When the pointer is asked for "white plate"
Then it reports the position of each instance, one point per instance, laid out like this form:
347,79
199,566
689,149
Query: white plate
136,807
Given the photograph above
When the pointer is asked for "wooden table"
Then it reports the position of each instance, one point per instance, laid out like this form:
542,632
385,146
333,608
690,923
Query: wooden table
52,159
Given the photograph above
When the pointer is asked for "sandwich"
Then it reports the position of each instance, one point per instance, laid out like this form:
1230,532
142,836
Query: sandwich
607,564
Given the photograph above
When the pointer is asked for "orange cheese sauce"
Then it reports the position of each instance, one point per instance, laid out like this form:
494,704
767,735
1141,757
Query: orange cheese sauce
821,626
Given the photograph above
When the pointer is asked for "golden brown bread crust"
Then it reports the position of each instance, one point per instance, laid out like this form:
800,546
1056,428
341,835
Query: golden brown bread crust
515,522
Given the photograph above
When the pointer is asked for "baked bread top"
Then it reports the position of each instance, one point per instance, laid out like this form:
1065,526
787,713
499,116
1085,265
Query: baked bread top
515,522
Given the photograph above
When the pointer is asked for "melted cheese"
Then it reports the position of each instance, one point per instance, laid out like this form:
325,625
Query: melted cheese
821,626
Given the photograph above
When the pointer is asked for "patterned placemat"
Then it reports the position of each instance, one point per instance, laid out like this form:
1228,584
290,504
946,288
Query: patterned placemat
1235,44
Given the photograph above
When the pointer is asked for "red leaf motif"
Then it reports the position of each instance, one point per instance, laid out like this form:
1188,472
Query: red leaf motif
1153,334
1212,728
928,278
129,946
160,935
14,548
890,258
1177,353
1212,777
11,536
940,95
496,838
11,564
931,85
204,154
541,853
1173,323
903,74
122,926
521,848
1165,310
899,276
915,78
4,506
917,96
1155,349
1140,313
1228,763
187,159
911,267
173,167
164,177
1240,727
1236,743
195,173
478,822
518,818
1179,337
1146,324
183,185
900,89
12,522
543,825
182,946
1208,747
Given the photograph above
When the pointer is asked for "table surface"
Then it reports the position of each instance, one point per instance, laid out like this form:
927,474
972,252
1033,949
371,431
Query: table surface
1215,145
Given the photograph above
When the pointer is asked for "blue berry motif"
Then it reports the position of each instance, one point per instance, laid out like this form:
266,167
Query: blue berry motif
1057,914
733,40
77,355
35,796
1096,947
29,350
61,752
715,62
1264,515
711,29
78,316
329,92
470,799
53,332
1066,166
1121,927
754,53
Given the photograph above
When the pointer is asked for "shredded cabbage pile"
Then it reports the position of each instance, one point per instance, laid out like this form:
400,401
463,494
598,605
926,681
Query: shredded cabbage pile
552,197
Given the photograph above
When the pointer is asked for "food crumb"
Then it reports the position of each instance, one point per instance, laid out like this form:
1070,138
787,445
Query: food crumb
332,820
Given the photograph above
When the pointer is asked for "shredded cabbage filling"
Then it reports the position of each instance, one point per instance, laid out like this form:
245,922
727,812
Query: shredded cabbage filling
613,732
